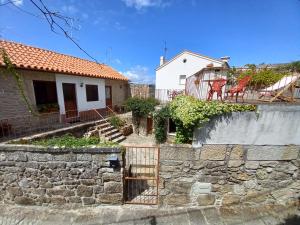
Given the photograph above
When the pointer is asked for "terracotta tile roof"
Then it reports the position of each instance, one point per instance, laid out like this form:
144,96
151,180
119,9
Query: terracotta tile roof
28,57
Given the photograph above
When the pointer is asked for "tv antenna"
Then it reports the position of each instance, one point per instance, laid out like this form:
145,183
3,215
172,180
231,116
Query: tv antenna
165,49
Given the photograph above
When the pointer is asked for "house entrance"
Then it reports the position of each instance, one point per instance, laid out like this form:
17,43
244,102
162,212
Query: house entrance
141,175
108,96
69,91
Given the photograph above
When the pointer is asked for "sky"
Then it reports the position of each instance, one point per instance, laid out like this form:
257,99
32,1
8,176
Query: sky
130,35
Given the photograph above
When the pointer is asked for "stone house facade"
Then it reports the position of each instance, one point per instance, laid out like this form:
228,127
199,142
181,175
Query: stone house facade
54,83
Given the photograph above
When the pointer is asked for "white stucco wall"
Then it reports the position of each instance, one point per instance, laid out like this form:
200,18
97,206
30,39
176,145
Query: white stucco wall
82,104
167,77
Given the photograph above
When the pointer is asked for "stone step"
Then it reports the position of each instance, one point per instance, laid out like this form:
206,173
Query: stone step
114,136
101,122
102,126
119,139
107,129
109,132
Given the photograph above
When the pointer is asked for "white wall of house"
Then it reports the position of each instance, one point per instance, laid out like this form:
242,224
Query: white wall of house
168,75
82,103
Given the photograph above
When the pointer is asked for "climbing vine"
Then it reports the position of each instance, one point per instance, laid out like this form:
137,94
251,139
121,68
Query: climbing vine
188,113
16,76
160,124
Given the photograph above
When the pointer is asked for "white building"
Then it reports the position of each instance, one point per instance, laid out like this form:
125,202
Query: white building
171,75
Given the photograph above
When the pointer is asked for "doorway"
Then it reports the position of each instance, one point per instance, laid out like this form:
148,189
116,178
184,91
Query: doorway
108,96
69,91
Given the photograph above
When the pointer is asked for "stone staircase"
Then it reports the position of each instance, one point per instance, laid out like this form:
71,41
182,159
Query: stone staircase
105,130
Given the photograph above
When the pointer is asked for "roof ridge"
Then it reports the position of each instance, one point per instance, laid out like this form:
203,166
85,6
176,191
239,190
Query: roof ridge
47,50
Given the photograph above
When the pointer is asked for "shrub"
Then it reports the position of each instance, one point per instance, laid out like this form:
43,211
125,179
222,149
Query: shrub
140,108
188,113
262,78
69,141
116,121
160,124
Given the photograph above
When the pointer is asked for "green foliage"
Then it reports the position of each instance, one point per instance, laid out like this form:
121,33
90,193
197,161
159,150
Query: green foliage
160,124
19,82
188,113
140,108
262,78
69,141
116,121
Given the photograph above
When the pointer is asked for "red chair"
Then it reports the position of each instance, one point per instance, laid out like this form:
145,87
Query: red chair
216,86
239,88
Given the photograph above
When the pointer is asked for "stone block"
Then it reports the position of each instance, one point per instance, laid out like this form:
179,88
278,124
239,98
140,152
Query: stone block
88,201
2,157
88,182
213,152
113,187
235,163
251,165
262,174
98,189
40,157
84,191
238,189
171,153
22,200
15,191
115,198
265,153
177,200
230,199
58,200
205,199
179,187
84,157
17,157
237,153
111,177
56,165
74,199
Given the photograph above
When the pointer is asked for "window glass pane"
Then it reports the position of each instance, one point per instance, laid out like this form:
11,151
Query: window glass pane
45,92
92,93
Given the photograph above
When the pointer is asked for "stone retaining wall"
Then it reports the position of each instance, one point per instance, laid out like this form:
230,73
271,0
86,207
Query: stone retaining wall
228,174
37,176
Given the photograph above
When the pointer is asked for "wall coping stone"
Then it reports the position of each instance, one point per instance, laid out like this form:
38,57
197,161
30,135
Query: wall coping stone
41,149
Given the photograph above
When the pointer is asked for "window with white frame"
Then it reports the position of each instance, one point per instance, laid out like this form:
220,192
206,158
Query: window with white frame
182,79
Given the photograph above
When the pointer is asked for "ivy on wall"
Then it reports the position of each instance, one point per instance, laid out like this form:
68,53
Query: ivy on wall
160,124
188,113
18,79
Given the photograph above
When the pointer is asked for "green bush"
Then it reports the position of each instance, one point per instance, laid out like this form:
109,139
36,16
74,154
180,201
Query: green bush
160,124
140,108
69,141
188,113
116,121
262,78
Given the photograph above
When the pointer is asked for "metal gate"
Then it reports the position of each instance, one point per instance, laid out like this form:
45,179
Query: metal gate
141,175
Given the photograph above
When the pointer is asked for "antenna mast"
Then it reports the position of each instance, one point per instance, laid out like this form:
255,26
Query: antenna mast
165,50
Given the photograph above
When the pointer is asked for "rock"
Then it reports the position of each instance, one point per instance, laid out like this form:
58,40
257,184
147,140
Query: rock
84,157
84,191
21,200
243,176
238,189
74,199
57,200
88,182
237,152
113,187
179,187
177,200
111,177
98,189
265,153
250,184
252,165
261,174
213,152
206,199
15,191
17,157
88,201
235,163
231,199
116,198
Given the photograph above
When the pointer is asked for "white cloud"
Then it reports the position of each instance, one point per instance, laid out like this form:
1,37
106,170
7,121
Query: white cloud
140,4
139,74
71,9
15,2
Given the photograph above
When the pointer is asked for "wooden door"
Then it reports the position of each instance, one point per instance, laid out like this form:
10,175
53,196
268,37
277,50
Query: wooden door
108,96
69,91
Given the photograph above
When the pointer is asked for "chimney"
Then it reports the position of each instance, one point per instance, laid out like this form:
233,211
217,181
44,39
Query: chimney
225,59
162,60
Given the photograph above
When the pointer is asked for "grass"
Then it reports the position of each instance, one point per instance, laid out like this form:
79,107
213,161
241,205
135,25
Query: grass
69,141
